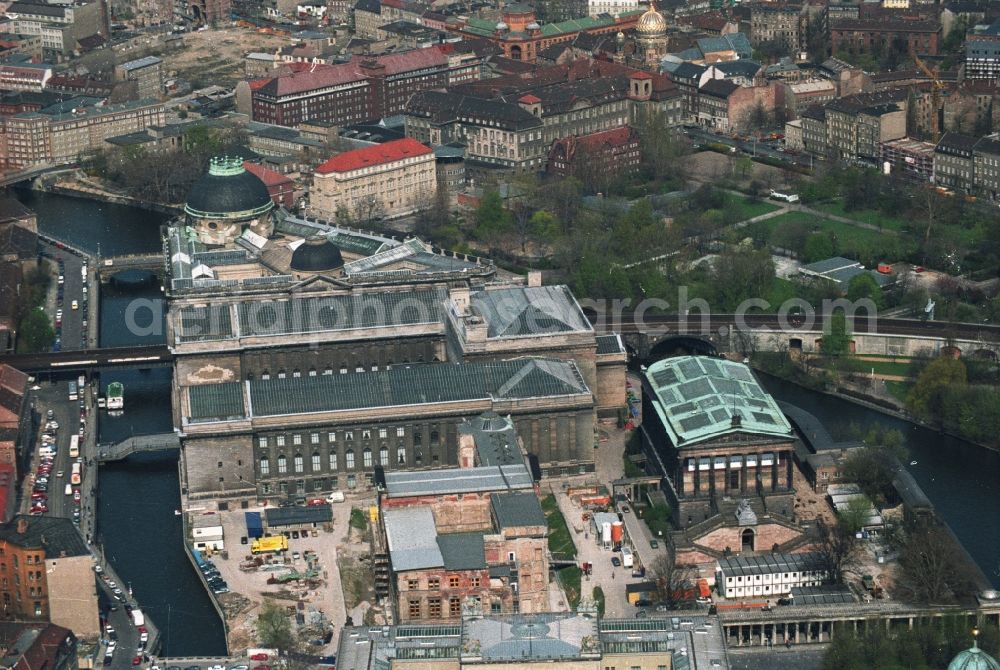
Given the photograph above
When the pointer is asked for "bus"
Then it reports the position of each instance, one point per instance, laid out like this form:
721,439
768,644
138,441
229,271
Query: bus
81,381
72,391
74,446
74,477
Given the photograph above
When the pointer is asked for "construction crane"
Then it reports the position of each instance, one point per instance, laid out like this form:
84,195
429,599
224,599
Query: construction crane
936,88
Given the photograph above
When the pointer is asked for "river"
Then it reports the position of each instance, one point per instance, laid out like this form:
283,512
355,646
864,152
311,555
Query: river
141,535
961,479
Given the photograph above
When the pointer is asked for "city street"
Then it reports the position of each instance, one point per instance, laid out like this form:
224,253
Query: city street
70,334
769,148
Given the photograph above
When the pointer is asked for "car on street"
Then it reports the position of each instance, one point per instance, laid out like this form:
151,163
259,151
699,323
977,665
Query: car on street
258,657
625,509
654,544
216,667
74,305
60,474
137,659
615,561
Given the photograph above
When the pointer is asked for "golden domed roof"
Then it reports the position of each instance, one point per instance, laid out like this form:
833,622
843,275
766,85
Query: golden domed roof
651,22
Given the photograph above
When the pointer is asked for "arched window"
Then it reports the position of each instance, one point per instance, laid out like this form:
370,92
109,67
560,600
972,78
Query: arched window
265,465
333,460
401,455
328,370
298,462
296,373
312,372
349,459
367,457
265,375
281,374
317,462
282,464
383,456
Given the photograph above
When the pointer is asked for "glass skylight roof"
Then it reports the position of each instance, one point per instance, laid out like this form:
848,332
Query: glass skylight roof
697,397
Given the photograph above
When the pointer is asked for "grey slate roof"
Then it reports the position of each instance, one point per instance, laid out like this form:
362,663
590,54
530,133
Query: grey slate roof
457,480
830,264
412,538
462,551
526,311
338,313
56,535
609,344
517,509
294,516
523,378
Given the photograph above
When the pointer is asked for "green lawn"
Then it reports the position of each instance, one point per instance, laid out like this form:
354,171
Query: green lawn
896,368
866,245
748,209
560,541
870,216
570,577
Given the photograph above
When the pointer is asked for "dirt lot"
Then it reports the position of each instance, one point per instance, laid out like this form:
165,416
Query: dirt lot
216,56
321,596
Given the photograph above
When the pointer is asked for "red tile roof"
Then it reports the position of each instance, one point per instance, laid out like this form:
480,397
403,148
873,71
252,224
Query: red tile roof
308,77
640,74
529,99
269,177
7,483
377,154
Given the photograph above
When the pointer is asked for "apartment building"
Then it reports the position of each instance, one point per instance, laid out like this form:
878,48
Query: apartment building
146,72
610,7
24,76
865,35
393,179
910,158
982,53
954,165
37,137
60,26
365,88
46,574
986,167
778,23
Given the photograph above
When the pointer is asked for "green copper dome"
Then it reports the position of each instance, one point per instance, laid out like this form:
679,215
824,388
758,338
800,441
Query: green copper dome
973,659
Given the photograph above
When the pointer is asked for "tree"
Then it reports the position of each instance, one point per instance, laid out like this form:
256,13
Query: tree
818,246
932,568
873,467
854,516
837,548
36,332
836,342
863,286
740,275
675,582
924,399
274,627
492,220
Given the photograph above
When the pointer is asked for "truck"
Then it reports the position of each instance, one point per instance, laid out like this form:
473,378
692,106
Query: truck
335,497
627,559
137,618
266,545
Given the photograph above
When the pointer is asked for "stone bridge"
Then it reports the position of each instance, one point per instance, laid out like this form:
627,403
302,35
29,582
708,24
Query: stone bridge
660,336
108,267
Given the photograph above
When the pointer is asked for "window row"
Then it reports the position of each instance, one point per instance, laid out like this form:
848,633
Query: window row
330,436
316,460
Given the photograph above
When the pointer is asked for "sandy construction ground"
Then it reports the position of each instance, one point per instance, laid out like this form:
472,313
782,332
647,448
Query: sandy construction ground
215,56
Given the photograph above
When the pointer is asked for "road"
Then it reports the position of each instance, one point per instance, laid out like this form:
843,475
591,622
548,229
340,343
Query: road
67,414
71,334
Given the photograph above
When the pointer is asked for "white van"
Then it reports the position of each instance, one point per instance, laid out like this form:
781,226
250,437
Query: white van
45,452
69,489
627,560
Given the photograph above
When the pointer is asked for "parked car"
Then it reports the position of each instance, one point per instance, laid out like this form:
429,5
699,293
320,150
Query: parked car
615,561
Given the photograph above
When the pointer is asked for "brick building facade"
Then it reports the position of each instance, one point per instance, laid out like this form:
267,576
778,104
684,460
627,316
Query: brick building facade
366,88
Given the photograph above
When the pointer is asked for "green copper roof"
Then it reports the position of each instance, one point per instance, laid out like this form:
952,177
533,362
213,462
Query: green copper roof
696,398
